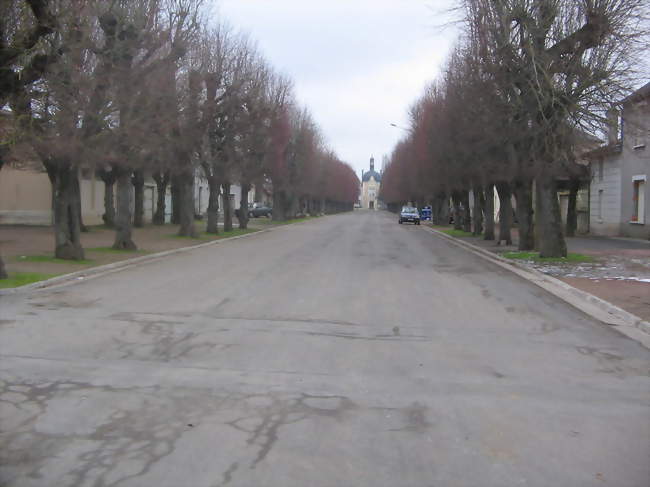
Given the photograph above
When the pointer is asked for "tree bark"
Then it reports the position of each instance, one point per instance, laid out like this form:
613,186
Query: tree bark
467,219
227,207
77,202
109,200
572,214
279,206
162,180
505,213
294,207
444,209
479,203
524,197
67,229
176,199
455,201
213,205
550,240
489,212
138,207
243,206
3,271
186,205
123,217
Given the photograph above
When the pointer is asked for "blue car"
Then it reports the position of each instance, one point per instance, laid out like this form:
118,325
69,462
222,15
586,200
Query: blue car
409,214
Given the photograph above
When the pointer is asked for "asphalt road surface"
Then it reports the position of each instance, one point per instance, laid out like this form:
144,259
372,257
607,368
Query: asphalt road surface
346,351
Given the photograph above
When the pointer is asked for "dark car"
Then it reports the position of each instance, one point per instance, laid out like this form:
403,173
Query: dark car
409,214
259,209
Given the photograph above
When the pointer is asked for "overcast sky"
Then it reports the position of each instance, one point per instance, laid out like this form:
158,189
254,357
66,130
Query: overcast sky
357,64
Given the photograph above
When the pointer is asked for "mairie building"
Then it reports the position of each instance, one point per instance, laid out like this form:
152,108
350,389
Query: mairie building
370,183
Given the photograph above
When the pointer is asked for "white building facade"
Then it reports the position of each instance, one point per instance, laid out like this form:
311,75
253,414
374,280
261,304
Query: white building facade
370,184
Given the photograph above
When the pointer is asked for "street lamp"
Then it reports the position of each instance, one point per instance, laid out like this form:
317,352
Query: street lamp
399,127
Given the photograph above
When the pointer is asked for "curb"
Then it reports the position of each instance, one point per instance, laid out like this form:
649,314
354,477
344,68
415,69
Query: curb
106,269
593,306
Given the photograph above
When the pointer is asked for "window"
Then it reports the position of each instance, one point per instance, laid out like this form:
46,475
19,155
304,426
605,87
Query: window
600,204
638,200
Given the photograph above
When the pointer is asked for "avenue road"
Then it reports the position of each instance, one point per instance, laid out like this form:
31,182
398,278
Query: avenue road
345,351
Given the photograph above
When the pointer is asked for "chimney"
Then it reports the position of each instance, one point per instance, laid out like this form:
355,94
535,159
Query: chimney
612,126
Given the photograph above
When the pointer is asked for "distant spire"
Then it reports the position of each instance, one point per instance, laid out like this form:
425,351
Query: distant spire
372,163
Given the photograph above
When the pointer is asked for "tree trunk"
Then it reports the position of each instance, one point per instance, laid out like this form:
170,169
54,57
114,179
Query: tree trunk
294,206
479,203
444,209
176,200
109,201
505,213
67,229
77,202
162,180
549,220
186,205
524,197
3,271
213,205
279,206
455,200
467,220
138,207
572,214
123,218
227,207
489,212
243,206
108,177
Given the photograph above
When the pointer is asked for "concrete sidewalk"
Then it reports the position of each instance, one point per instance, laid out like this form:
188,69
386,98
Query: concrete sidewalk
619,273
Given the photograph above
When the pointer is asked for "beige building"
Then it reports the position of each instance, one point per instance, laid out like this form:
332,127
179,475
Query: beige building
370,183
26,197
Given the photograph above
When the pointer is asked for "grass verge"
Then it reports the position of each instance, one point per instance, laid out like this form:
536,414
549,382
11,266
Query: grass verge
452,231
17,279
458,233
111,250
50,259
235,232
287,222
534,256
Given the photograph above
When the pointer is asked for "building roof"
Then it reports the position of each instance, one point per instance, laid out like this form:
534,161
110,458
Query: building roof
603,151
640,94
371,173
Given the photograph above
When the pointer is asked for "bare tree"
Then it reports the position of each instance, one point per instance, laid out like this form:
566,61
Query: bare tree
23,25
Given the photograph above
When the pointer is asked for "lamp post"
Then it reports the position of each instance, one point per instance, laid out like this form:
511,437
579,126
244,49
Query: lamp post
400,127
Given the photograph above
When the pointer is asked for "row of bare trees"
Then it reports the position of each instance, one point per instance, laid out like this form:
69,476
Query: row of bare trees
131,88
528,80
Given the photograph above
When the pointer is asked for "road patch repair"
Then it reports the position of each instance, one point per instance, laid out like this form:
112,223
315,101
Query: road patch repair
618,318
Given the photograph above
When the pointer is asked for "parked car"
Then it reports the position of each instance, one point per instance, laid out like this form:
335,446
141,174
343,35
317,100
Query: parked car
409,214
259,209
